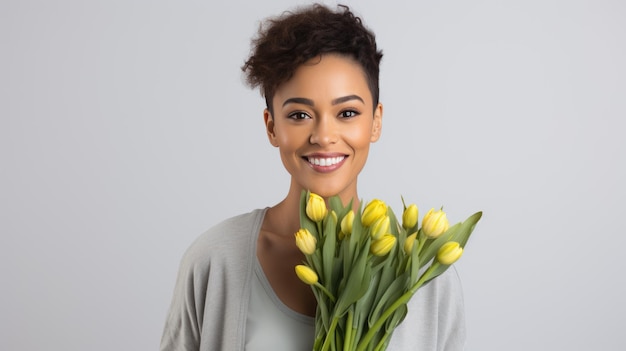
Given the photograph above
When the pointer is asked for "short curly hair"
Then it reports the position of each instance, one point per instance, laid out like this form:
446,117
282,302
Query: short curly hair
286,42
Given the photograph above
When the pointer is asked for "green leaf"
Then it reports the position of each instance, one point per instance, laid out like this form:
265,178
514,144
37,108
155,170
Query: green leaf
357,283
438,269
358,236
323,310
392,293
387,276
347,256
463,234
395,226
364,305
415,264
328,252
396,318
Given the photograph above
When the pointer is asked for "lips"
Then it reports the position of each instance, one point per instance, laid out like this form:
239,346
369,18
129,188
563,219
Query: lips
325,163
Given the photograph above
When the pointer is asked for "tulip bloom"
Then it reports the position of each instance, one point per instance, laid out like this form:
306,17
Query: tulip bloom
380,227
409,242
306,274
373,211
435,223
382,246
346,223
316,208
449,253
305,241
409,216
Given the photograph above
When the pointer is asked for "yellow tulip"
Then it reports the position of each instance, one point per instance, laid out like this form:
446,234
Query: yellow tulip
305,241
382,246
380,227
373,211
316,208
409,242
306,274
434,223
449,253
409,216
346,223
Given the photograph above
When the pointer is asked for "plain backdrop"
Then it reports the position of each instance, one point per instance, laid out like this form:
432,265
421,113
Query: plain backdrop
126,130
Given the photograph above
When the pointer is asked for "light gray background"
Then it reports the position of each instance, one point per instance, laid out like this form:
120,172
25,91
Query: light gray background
126,131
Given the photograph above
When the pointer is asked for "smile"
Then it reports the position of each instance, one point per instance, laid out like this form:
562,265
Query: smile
325,161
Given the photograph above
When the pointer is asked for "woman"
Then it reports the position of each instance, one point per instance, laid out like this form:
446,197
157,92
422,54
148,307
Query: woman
236,289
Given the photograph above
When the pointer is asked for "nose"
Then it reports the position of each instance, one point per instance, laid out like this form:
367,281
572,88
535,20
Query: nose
325,131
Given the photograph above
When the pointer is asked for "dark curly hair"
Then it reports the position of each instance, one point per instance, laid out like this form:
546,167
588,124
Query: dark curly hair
286,42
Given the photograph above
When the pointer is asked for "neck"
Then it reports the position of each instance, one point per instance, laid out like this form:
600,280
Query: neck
284,217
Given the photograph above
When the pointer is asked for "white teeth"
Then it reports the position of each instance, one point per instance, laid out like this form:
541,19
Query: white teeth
327,161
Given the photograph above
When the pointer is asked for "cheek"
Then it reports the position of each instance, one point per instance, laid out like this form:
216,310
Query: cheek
290,139
359,136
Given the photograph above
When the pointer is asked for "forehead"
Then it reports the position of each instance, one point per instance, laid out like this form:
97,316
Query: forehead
325,78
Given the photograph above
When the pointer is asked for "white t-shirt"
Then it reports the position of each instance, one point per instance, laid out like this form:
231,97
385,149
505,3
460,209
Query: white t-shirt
269,319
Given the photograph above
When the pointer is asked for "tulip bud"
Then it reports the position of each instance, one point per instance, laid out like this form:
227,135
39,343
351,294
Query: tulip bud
409,217
434,223
305,241
409,242
380,227
449,253
373,211
316,208
306,274
346,223
382,246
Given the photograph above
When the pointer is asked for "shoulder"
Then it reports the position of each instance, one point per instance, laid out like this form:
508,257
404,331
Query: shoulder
436,317
441,298
227,240
211,283
445,286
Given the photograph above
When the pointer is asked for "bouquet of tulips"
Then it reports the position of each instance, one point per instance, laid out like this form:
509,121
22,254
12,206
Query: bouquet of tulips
363,268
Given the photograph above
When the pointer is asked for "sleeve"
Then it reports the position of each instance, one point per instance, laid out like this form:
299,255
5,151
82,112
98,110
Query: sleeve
451,327
183,324
211,293
436,317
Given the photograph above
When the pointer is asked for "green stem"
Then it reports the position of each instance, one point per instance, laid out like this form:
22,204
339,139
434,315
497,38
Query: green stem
402,300
330,296
330,336
347,344
381,343
421,239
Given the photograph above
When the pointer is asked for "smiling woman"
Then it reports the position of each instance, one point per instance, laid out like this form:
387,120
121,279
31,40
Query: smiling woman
323,123
236,289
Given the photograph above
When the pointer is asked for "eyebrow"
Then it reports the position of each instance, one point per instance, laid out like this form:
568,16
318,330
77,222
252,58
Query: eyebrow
299,100
305,101
346,98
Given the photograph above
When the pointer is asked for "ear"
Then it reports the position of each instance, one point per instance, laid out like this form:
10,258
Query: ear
377,126
269,127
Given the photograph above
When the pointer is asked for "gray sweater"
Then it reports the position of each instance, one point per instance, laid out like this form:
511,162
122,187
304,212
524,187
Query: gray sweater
210,303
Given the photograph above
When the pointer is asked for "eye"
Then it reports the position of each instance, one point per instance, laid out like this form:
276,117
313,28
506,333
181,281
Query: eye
348,114
299,115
